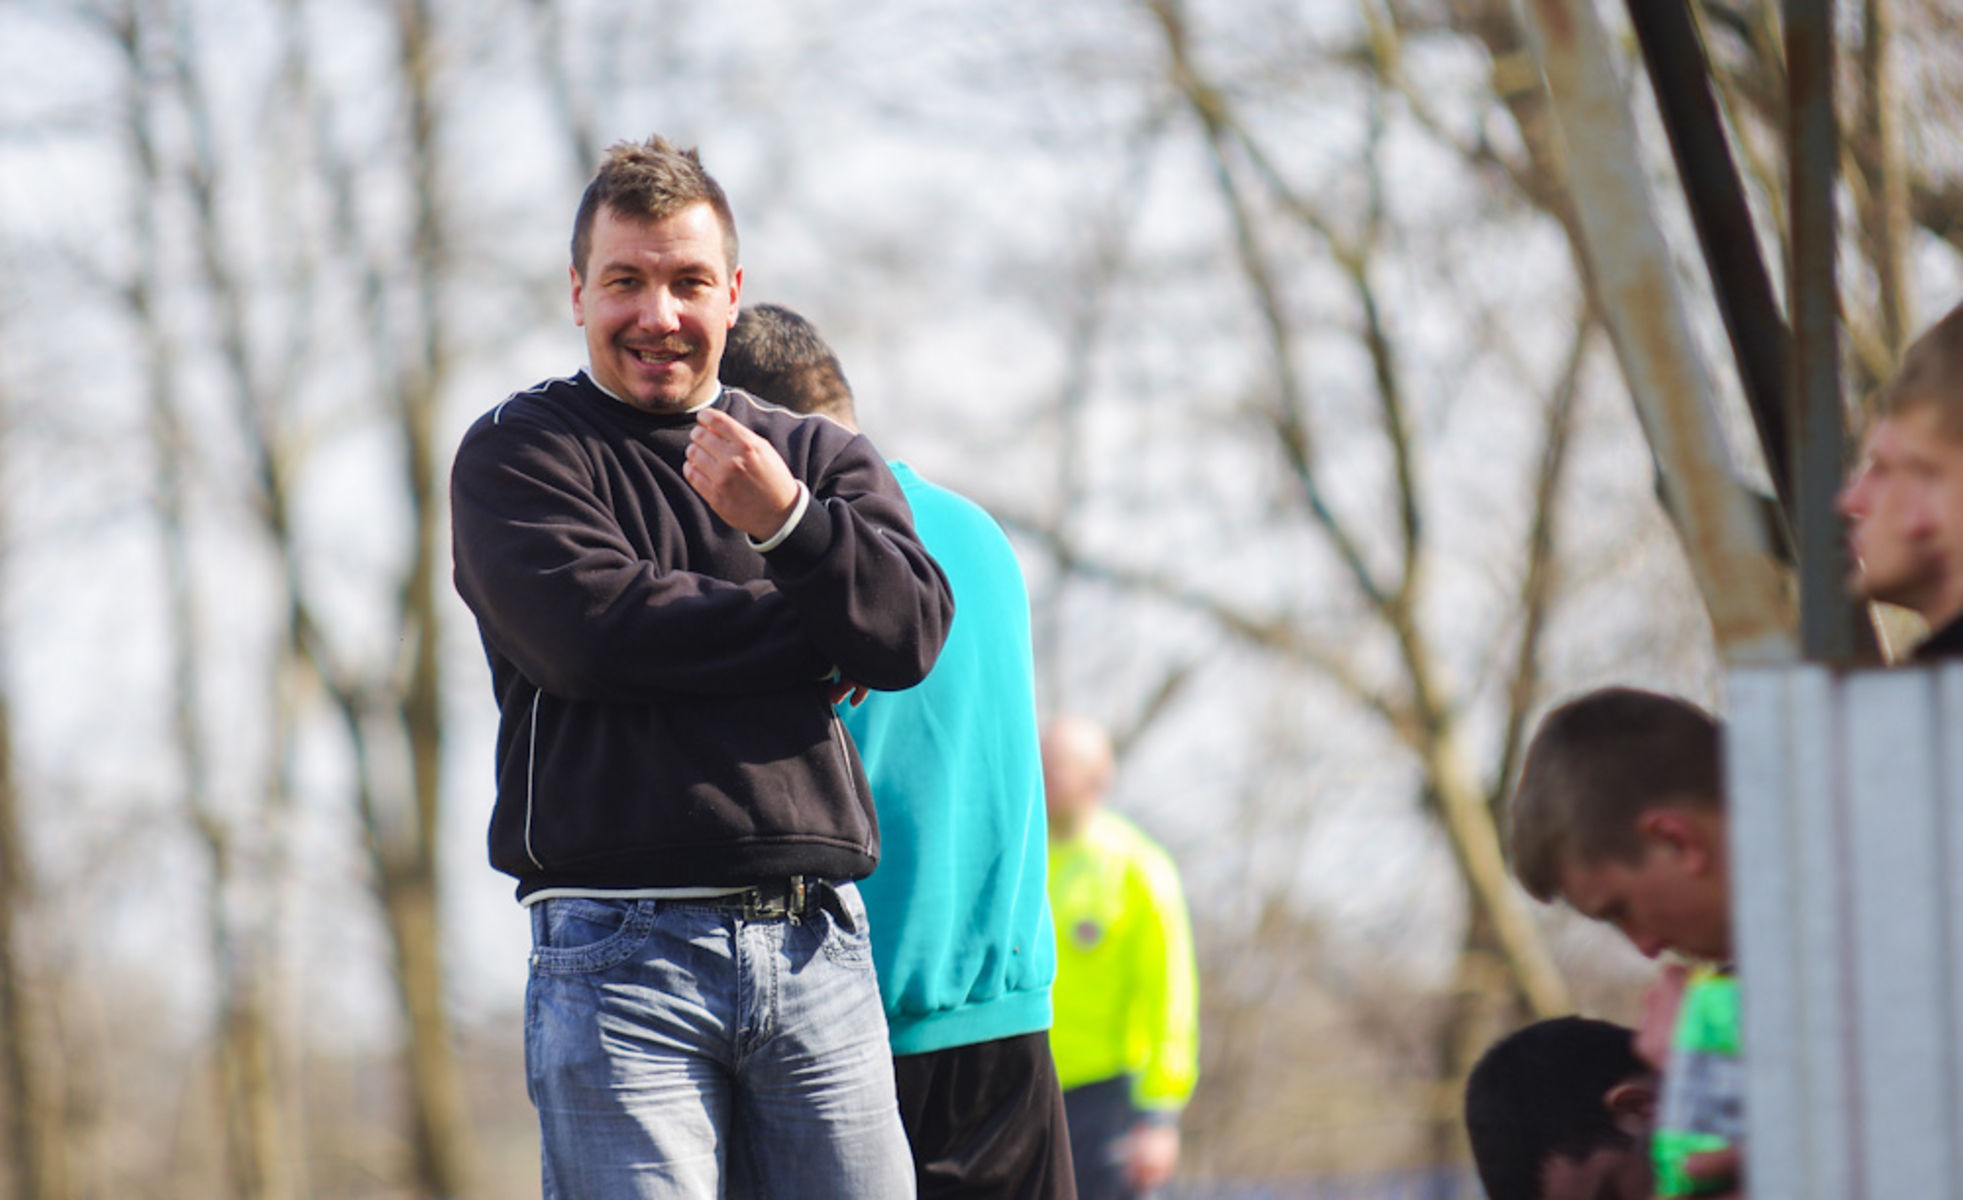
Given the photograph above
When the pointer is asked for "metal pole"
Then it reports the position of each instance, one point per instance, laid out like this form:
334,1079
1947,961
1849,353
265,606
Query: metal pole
1827,616
1716,517
1680,77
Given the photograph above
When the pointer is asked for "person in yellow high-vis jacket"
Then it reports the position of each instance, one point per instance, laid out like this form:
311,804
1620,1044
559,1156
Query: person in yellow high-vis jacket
1126,1031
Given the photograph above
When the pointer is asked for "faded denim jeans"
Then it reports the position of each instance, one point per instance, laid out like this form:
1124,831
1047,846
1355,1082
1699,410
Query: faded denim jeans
675,1049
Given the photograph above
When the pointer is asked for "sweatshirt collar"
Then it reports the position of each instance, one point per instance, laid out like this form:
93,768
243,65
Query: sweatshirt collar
602,388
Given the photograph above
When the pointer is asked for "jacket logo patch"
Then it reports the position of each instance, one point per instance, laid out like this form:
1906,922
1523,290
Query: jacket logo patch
1086,934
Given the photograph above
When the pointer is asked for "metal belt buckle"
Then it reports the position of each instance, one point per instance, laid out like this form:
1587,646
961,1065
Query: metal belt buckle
770,901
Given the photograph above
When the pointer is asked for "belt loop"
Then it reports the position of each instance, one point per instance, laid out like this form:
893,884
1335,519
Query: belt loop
796,903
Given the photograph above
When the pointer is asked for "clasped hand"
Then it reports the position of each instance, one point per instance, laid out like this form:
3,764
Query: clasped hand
741,476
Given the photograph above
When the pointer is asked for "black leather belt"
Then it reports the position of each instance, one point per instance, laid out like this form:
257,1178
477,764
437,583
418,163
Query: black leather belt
792,898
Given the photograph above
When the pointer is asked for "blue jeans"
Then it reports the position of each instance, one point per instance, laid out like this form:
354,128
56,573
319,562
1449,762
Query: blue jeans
675,1049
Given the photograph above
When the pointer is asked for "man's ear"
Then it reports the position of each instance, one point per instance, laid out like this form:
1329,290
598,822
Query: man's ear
1632,1105
1680,831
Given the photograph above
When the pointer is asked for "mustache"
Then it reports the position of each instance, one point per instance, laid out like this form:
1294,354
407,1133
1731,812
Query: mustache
672,345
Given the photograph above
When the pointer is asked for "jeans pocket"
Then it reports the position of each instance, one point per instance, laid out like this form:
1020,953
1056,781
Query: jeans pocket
846,941
578,934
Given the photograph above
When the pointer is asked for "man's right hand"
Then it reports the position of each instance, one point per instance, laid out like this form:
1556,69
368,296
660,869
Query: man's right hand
740,475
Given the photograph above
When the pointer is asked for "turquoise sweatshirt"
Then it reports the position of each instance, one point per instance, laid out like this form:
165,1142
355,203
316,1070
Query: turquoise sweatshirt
961,932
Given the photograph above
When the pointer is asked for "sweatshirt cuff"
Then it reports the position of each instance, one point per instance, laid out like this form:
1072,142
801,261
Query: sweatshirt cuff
784,531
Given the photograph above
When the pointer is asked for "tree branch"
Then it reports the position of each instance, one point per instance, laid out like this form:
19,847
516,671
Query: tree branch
1537,583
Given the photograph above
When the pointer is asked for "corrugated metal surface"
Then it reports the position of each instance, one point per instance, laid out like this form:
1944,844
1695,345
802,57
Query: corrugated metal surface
1847,883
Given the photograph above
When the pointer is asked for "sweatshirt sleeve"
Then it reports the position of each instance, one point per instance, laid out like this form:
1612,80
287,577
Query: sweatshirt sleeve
558,590
872,599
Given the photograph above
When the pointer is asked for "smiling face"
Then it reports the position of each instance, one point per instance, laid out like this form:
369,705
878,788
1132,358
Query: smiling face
656,299
1904,510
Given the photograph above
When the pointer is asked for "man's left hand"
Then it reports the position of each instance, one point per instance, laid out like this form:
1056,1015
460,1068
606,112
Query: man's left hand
1151,1154
742,477
844,689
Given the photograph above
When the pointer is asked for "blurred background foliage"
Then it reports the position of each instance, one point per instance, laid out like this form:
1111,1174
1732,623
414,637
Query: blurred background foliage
1259,324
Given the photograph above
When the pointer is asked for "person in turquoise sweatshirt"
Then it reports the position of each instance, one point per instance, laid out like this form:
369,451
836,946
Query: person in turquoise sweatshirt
960,922
1127,1031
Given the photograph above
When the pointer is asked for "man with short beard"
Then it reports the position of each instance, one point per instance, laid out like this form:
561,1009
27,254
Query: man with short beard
674,583
1904,502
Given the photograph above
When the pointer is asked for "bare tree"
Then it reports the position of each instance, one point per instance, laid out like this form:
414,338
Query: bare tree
268,286
393,709
1383,555
30,1088
389,706
1884,215
251,1099
1215,305
34,1145
1894,191
31,1103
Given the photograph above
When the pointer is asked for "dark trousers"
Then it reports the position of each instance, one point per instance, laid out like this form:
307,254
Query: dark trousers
986,1121
1100,1115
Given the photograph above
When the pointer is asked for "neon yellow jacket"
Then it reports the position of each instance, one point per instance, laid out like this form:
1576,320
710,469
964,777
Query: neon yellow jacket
1127,990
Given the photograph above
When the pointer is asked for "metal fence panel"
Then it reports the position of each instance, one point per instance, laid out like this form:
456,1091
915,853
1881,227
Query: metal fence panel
1901,953
1846,793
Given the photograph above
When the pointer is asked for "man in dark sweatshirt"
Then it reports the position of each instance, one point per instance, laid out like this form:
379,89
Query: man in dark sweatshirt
673,583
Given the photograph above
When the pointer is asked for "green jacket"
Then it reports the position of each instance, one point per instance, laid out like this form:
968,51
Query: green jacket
1127,990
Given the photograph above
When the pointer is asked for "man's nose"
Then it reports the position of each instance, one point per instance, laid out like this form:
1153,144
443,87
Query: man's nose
1847,499
658,311
1647,944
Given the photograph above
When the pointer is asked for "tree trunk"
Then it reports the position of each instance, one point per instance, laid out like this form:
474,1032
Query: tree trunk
35,1147
261,1158
1885,212
408,861
1481,1007
442,1142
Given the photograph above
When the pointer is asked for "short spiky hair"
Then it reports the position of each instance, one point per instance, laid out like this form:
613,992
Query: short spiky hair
1595,765
1542,1091
1930,375
649,181
779,357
